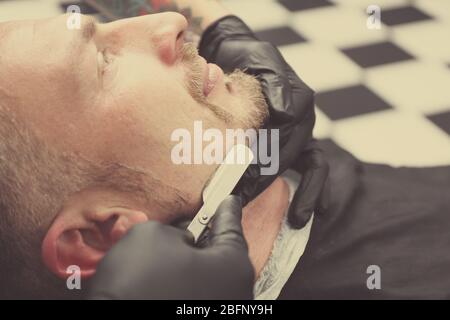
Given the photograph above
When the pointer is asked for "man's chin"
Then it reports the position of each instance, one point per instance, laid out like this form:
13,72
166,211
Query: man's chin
253,110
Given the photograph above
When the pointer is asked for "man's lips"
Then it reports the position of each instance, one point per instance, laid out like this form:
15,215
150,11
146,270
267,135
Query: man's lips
211,77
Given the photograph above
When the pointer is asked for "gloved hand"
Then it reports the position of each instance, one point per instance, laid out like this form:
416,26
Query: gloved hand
156,261
232,45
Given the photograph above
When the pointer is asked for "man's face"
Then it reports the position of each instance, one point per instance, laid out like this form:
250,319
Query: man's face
115,92
109,96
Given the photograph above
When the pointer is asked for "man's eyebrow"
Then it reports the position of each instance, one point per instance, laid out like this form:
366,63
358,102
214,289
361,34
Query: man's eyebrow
89,29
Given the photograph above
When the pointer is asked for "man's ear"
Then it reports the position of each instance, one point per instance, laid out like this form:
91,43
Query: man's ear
81,236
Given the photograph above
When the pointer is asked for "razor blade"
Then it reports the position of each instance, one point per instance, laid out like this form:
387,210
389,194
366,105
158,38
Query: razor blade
220,186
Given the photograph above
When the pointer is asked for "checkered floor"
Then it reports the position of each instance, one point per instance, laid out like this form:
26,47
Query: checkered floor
384,94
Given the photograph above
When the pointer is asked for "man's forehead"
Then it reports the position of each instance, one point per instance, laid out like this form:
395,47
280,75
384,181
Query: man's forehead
15,41
15,37
16,31
5,29
8,27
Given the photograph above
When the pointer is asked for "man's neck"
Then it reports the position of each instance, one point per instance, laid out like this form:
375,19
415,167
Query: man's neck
262,219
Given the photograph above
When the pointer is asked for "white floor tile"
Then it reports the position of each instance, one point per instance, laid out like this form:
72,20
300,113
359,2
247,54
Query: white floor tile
395,138
426,40
338,26
28,9
259,14
412,86
321,67
365,3
436,8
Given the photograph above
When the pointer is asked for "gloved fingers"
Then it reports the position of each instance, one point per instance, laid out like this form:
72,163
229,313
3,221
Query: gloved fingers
228,27
154,231
150,232
308,196
203,241
231,44
325,198
142,232
228,249
181,223
287,95
297,139
311,156
302,95
226,229
249,185
253,183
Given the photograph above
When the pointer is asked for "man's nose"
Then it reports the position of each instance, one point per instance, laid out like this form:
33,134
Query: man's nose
168,36
161,34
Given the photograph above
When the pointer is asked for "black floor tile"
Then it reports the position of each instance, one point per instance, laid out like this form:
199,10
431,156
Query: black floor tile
297,5
280,36
377,54
397,16
349,102
442,120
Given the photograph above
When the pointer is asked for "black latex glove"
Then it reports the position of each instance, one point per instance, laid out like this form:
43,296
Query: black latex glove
231,44
156,261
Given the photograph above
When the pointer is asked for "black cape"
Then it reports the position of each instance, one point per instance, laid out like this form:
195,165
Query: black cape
395,218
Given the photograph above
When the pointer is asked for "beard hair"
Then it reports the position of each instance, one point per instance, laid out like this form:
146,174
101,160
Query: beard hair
256,111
